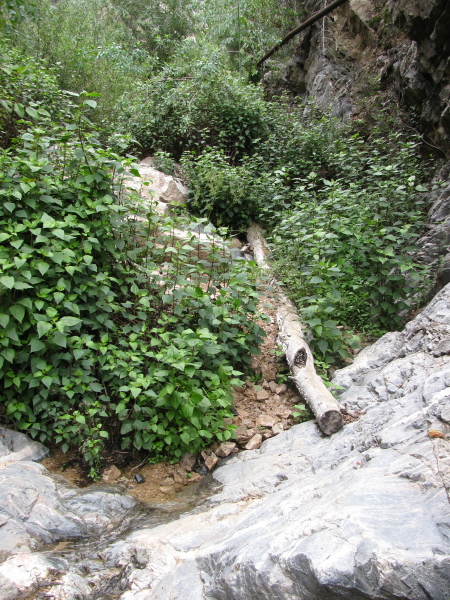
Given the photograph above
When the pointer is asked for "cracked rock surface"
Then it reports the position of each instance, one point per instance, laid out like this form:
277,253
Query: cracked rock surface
37,509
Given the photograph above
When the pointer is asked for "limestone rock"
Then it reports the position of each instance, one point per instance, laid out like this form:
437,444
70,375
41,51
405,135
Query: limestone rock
277,428
163,189
211,461
281,389
243,434
364,514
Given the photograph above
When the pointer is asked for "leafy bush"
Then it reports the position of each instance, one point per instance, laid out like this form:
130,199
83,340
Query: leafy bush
89,46
28,90
113,330
219,191
342,213
193,103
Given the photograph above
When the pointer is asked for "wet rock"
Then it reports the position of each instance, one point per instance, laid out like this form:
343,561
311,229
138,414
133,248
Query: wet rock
111,474
254,443
266,421
200,469
37,508
139,478
225,449
180,477
15,446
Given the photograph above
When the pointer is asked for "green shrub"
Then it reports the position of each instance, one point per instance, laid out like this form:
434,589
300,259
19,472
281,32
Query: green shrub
113,330
88,45
194,103
28,89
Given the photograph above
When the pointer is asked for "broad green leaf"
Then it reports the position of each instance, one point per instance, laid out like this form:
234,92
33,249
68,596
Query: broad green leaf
18,312
36,345
7,281
32,112
68,322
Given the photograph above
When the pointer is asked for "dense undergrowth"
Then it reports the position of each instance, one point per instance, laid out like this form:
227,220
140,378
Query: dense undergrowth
117,332
113,329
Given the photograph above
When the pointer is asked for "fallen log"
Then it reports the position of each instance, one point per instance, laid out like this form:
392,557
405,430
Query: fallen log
298,354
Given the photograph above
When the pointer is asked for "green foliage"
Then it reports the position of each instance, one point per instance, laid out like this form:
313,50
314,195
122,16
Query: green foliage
192,103
113,330
218,190
302,413
247,28
88,44
29,92
344,245
342,213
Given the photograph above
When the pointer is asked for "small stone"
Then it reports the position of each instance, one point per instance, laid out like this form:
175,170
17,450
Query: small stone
111,474
138,478
262,395
273,386
281,389
266,421
165,489
237,421
266,434
211,461
445,415
225,449
276,399
255,442
194,478
204,454
266,385
277,428
228,420
243,434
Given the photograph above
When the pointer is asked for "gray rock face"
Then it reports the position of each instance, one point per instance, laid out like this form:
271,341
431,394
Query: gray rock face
361,515
402,43
15,446
37,509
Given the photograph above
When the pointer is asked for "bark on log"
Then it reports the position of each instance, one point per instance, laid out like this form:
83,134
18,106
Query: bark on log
298,354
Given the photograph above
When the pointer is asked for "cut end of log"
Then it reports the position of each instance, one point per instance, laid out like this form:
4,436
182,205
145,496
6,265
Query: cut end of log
330,422
300,358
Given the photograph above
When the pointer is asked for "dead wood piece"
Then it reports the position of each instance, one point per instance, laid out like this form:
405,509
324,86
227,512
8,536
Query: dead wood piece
298,354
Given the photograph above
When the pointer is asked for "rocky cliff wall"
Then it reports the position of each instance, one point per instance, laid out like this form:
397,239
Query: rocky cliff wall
376,47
